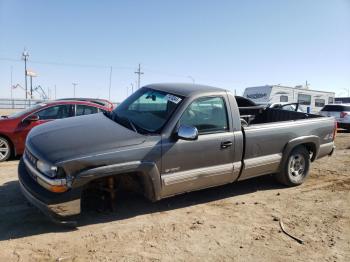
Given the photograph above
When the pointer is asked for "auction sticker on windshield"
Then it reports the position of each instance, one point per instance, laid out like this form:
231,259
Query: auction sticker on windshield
173,98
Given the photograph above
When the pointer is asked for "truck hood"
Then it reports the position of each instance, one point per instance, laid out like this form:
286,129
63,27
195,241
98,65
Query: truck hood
79,136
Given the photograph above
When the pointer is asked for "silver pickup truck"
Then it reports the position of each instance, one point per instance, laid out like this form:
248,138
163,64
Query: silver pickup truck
168,139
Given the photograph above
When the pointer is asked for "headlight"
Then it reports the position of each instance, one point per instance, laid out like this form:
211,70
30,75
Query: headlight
46,169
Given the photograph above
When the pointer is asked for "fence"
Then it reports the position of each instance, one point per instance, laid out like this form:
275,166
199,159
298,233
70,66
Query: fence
17,103
24,103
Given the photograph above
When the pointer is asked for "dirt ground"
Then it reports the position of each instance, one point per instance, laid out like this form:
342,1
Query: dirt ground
236,222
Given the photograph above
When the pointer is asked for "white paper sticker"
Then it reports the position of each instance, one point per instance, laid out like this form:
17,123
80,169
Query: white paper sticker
173,98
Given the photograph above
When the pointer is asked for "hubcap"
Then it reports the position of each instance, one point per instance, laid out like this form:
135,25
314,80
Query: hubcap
297,166
4,149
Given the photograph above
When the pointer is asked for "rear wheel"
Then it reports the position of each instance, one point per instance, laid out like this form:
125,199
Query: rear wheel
296,168
5,149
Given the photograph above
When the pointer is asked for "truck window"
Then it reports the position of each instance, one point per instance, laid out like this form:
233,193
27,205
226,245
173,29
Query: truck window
304,99
330,100
283,98
320,102
208,115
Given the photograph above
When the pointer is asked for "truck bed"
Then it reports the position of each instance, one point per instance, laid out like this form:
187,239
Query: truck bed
268,134
258,115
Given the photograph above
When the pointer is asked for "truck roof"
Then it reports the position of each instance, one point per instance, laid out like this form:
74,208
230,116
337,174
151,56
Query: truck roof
183,89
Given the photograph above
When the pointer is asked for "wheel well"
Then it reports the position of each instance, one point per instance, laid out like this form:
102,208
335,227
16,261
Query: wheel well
311,147
108,186
12,146
127,181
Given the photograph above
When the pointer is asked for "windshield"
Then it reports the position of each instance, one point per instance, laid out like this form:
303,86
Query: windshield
146,111
25,111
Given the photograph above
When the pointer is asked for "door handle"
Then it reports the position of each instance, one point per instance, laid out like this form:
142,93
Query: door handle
226,144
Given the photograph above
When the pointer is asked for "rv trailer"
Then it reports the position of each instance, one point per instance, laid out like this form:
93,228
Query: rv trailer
309,100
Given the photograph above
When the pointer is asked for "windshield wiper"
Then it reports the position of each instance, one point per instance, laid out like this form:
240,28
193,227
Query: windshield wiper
122,120
131,124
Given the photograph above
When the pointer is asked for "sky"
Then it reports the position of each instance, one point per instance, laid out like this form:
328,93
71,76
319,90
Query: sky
229,44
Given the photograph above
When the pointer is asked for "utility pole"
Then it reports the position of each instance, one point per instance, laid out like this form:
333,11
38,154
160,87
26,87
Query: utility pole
31,74
25,56
31,87
192,79
11,84
55,92
132,88
110,83
139,73
74,85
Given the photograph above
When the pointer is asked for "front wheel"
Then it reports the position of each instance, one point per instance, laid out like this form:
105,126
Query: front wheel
5,149
296,168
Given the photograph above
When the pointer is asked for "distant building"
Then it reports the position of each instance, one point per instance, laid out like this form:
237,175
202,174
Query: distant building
309,100
342,100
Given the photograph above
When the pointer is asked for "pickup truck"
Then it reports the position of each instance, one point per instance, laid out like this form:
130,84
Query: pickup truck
168,139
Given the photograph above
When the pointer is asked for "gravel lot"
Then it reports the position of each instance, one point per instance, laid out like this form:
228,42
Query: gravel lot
234,222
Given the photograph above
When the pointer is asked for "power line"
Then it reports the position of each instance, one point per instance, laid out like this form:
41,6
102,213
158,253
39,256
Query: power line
65,64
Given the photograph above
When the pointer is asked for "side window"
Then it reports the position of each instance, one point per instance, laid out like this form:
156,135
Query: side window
283,98
304,99
207,114
85,110
54,112
330,100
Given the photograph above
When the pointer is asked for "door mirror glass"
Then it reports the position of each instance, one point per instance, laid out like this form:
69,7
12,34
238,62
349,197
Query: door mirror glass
187,133
32,118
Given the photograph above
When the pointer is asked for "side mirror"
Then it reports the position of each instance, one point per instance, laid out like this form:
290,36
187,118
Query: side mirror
32,118
187,133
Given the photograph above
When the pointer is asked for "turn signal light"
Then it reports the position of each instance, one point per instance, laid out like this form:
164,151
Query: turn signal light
53,188
58,189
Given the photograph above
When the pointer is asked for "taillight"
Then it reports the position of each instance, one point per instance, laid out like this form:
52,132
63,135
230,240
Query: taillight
335,129
343,114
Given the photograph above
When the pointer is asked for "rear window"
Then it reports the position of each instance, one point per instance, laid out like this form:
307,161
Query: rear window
336,108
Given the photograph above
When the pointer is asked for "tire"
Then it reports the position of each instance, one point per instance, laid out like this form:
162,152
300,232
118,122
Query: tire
296,168
5,149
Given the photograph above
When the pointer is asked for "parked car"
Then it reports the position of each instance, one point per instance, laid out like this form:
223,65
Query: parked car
341,112
286,106
102,102
14,128
167,139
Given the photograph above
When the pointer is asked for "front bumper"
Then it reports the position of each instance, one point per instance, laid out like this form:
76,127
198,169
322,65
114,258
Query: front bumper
62,208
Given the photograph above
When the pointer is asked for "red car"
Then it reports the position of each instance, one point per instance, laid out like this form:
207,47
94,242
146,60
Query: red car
14,128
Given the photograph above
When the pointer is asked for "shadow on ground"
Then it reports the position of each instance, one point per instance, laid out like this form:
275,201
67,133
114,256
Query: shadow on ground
18,220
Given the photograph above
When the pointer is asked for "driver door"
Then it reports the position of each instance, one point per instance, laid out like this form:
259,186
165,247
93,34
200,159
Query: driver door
205,162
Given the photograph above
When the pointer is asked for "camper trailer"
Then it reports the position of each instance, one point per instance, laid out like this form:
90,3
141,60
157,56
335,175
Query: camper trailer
309,100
